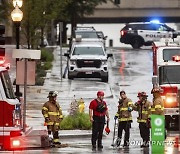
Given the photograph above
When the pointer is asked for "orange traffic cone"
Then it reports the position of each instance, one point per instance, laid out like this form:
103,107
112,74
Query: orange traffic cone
176,144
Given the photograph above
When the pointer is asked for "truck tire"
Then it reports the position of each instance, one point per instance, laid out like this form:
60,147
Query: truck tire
137,42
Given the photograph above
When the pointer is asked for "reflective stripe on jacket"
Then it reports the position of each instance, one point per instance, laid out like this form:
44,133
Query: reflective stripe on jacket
143,109
53,112
123,113
158,106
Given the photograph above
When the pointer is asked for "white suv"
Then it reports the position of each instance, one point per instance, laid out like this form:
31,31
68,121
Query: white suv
88,59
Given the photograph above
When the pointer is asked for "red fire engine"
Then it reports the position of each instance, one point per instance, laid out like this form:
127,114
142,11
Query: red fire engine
166,74
12,135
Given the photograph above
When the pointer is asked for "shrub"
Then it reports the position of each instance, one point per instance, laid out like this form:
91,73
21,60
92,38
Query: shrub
77,121
47,65
39,81
44,64
46,55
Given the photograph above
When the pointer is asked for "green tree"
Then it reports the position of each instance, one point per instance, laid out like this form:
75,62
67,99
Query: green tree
5,8
37,16
76,9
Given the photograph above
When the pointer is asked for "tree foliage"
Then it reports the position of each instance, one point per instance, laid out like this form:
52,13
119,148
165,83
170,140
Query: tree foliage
5,10
75,9
38,15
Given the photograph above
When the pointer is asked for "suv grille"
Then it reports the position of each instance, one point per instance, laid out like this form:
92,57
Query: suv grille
89,63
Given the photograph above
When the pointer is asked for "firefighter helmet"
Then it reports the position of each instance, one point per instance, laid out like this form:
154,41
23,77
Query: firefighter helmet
52,94
107,130
100,93
142,94
156,90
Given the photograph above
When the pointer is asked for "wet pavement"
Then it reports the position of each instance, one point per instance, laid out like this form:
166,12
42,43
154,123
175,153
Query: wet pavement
79,141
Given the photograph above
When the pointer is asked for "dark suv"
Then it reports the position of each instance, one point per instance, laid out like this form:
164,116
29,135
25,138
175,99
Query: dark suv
144,33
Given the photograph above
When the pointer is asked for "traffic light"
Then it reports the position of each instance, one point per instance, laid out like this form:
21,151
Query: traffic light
117,1
2,32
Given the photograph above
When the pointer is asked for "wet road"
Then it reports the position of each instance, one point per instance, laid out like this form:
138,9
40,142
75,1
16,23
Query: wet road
129,70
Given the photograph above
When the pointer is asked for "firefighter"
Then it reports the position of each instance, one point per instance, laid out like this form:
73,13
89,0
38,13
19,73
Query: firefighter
53,116
143,107
125,118
97,112
158,105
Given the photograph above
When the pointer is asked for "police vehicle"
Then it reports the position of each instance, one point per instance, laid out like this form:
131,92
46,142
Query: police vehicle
144,33
87,59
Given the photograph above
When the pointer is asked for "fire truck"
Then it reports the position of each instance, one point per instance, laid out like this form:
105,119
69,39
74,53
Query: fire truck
166,74
12,135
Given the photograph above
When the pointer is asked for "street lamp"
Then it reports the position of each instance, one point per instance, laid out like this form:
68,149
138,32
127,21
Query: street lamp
17,16
18,3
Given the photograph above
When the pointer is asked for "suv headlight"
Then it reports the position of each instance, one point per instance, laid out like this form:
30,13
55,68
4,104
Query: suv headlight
72,62
104,62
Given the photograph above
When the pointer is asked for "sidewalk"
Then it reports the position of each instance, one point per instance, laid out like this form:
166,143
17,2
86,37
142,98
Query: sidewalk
37,95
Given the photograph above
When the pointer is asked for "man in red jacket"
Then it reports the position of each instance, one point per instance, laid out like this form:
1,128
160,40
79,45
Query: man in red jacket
97,112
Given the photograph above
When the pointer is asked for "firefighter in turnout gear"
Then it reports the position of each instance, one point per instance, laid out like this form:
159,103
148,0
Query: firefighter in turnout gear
53,116
97,112
143,107
125,118
158,105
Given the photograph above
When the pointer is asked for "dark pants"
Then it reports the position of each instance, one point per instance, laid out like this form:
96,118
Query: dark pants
124,125
144,132
97,130
54,133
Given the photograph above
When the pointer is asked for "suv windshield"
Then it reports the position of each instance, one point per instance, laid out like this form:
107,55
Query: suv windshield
88,51
87,34
7,85
169,74
169,53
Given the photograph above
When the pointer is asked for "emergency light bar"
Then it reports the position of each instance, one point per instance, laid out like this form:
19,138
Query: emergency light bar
176,58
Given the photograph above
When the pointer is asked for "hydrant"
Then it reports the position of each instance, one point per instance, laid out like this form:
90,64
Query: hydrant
81,105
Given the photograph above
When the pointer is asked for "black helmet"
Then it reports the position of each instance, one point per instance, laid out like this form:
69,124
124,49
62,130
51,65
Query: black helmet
52,94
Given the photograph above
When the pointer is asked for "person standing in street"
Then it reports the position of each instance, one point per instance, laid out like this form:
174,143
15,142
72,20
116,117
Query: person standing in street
143,107
125,118
52,113
158,105
97,112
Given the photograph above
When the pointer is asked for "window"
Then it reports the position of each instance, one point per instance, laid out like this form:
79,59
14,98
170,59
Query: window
88,51
87,34
169,75
7,85
169,53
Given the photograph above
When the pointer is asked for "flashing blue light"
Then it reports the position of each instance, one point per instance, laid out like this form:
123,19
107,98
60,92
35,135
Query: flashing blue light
155,21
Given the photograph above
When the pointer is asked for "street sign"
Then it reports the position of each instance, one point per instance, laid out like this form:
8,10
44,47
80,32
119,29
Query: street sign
157,133
26,53
20,72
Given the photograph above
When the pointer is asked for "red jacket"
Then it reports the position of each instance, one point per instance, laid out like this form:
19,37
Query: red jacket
93,105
